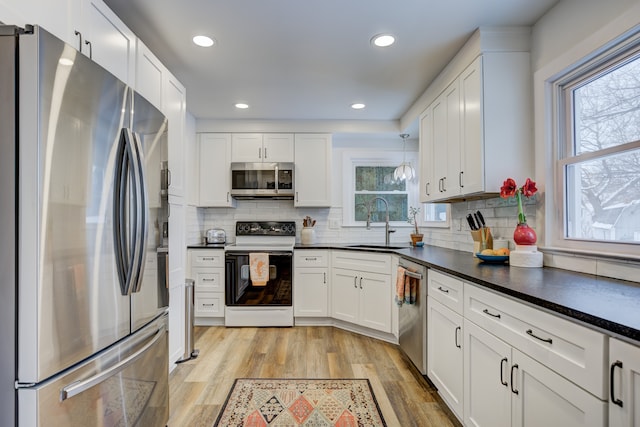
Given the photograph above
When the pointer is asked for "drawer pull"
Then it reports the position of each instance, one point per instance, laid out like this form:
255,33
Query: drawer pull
208,280
311,258
441,289
208,305
530,333
502,381
513,368
486,311
208,258
616,364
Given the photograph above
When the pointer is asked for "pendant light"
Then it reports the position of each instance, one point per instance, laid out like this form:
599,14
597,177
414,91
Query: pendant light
405,171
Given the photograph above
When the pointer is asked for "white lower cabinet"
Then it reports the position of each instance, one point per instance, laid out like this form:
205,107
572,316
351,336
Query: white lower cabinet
444,354
311,284
624,382
505,387
206,268
360,296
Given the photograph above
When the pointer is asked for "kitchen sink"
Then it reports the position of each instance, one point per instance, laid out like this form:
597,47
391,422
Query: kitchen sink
377,246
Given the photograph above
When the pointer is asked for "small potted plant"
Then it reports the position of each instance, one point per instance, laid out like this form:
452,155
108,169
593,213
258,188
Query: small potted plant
413,219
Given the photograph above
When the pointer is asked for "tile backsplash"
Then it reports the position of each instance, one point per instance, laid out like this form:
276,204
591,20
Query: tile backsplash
500,216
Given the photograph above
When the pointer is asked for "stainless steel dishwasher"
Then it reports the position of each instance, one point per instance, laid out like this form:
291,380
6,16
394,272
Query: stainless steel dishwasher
413,318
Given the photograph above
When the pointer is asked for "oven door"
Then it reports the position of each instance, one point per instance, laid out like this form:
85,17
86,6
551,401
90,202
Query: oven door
240,291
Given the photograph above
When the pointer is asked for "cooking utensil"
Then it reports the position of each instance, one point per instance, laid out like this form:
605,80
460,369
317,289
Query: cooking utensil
481,218
472,225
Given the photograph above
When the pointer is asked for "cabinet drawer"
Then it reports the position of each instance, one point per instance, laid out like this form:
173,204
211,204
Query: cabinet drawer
574,351
306,258
445,289
210,279
206,258
209,304
362,261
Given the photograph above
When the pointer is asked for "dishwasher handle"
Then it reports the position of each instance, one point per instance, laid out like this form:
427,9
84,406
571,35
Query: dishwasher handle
413,275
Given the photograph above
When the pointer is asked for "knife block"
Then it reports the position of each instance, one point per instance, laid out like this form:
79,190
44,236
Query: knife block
481,242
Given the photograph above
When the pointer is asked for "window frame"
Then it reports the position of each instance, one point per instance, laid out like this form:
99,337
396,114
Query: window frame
352,159
559,88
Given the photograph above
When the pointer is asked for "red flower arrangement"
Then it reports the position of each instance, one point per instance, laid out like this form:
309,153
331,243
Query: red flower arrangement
510,189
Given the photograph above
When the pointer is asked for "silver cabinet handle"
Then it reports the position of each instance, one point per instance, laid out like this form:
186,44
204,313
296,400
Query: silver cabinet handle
78,387
531,334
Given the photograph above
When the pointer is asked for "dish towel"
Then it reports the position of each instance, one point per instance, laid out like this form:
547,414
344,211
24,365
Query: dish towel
259,268
410,290
400,285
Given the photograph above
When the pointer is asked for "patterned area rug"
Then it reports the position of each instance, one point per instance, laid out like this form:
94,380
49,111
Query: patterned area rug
300,402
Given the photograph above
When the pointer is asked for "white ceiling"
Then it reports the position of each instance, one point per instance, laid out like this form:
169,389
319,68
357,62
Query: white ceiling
311,59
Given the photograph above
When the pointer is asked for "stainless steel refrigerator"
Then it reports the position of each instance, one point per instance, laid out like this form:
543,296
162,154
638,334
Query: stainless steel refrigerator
83,293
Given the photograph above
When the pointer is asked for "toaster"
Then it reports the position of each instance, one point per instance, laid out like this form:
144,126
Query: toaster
216,235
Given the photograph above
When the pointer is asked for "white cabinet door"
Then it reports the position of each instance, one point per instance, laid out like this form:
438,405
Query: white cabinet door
375,301
311,292
541,397
277,147
426,157
214,173
439,124
445,355
149,75
472,153
246,147
451,182
624,401
313,170
107,40
175,110
345,295
487,392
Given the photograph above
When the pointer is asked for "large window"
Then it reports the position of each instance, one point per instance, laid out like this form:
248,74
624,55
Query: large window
598,162
368,178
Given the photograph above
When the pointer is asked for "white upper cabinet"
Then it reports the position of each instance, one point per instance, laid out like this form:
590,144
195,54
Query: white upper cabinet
258,147
101,35
175,109
477,130
312,170
149,75
214,173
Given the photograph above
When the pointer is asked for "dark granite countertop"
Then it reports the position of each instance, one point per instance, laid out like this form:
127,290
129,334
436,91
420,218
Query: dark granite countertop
609,304
207,246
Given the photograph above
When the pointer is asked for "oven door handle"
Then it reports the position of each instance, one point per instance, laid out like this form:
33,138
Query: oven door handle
245,253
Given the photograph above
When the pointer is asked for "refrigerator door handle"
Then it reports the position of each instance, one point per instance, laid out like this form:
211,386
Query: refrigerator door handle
78,387
140,254
120,215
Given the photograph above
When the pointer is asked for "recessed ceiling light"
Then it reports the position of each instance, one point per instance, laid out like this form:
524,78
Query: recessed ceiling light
242,105
383,40
357,106
203,41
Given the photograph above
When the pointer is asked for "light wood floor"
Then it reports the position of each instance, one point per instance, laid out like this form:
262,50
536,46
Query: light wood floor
199,387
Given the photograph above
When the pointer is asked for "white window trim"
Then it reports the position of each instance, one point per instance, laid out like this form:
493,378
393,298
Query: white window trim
549,214
353,158
434,224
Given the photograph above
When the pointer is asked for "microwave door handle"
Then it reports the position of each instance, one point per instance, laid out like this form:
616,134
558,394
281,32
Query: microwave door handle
277,184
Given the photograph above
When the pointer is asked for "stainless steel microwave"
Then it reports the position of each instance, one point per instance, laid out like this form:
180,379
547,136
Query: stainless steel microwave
262,180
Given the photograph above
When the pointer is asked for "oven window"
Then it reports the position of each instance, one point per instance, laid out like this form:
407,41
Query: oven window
241,290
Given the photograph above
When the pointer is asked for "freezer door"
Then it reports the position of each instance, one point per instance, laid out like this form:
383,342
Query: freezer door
150,296
127,385
71,112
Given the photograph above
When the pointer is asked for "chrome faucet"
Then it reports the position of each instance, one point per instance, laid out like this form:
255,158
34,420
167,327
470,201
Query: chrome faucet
387,231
